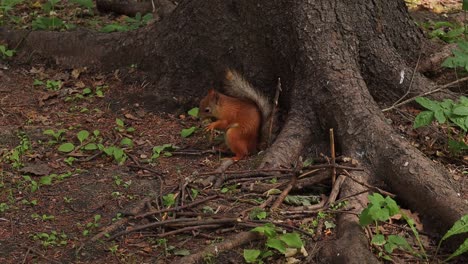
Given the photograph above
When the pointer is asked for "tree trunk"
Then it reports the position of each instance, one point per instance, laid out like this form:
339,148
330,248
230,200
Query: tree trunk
336,60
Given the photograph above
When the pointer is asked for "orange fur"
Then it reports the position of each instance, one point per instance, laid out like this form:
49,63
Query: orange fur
240,118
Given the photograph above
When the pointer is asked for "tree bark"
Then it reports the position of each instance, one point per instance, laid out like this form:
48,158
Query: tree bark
336,60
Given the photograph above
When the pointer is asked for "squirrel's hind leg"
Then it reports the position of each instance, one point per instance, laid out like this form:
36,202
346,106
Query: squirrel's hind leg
237,143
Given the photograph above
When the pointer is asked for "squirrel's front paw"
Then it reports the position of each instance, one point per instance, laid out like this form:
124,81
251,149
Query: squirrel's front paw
210,127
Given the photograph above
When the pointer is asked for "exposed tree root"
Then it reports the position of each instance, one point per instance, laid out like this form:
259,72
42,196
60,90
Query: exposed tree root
214,249
351,245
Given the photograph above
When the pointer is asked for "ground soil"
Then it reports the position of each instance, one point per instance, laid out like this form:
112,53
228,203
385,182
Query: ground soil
100,186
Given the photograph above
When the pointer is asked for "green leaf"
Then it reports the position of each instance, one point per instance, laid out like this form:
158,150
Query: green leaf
365,218
169,200
454,33
66,147
48,132
126,142
187,132
267,230
423,119
276,244
90,146
329,225
292,240
428,103
82,135
46,180
461,110
465,5
460,226
392,206
400,241
119,155
440,117
376,199
460,250
109,150
38,82
378,240
251,255
86,91
390,247
459,121
119,122
193,112
97,218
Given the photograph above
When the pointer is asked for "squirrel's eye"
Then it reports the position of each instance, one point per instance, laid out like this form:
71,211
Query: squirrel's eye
207,110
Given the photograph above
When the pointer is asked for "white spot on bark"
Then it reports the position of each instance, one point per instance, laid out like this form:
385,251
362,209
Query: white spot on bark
406,164
402,76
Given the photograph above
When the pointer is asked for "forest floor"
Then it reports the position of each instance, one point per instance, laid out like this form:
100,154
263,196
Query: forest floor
77,158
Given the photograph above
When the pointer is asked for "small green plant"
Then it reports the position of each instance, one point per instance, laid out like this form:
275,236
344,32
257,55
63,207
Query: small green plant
460,227
169,200
51,239
34,185
121,126
116,153
229,188
43,217
87,93
130,23
460,57
194,192
14,156
455,114
51,85
3,207
162,150
86,4
189,131
446,31
5,52
92,225
257,214
69,160
5,7
278,241
117,217
57,135
86,142
379,210
31,203
113,249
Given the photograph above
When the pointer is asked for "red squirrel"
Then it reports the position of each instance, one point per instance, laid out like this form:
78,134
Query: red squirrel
241,114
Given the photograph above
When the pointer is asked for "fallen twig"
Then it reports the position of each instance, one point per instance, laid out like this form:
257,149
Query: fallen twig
178,208
440,88
185,229
214,249
335,190
285,193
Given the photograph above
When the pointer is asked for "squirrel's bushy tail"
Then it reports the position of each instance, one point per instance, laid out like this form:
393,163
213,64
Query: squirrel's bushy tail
237,86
